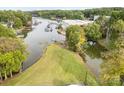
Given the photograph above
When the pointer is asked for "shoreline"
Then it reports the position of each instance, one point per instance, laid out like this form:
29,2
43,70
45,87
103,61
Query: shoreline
17,76
23,70
62,32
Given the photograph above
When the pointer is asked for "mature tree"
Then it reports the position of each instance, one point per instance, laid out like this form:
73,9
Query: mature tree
116,32
6,64
113,67
116,15
6,32
11,62
103,21
118,26
112,72
12,54
93,31
10,16
12,49
10,44
19,58
75,37
25,17
17,23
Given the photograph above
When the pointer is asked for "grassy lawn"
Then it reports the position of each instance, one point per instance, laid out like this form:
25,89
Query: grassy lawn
58,66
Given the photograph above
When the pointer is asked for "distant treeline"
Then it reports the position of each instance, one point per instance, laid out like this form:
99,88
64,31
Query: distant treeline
78,14
101,11
65,14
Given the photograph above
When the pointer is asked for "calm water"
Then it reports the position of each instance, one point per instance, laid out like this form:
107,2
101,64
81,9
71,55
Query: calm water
93,59
94,65
38,39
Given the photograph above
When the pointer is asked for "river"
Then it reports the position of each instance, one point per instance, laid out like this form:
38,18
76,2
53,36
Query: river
38,39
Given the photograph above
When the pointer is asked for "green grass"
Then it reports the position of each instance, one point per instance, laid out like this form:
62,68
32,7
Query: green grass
58,66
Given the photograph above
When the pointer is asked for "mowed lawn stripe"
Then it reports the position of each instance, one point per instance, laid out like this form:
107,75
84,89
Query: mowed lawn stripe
58,66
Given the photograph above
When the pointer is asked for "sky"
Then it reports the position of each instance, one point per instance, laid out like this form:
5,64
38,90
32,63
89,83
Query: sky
60,3
43,8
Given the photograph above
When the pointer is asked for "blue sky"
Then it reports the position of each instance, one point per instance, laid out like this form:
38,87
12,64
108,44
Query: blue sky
43,8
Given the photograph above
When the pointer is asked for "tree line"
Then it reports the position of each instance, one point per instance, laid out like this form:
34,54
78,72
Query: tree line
101,11
77,14
111,30
64,14
12,49
15,18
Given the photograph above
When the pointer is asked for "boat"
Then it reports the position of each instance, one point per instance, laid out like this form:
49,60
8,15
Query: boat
35,23
51,29
48,26
46,30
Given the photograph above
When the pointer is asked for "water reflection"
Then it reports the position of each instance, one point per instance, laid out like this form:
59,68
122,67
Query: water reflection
38,39
93,58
